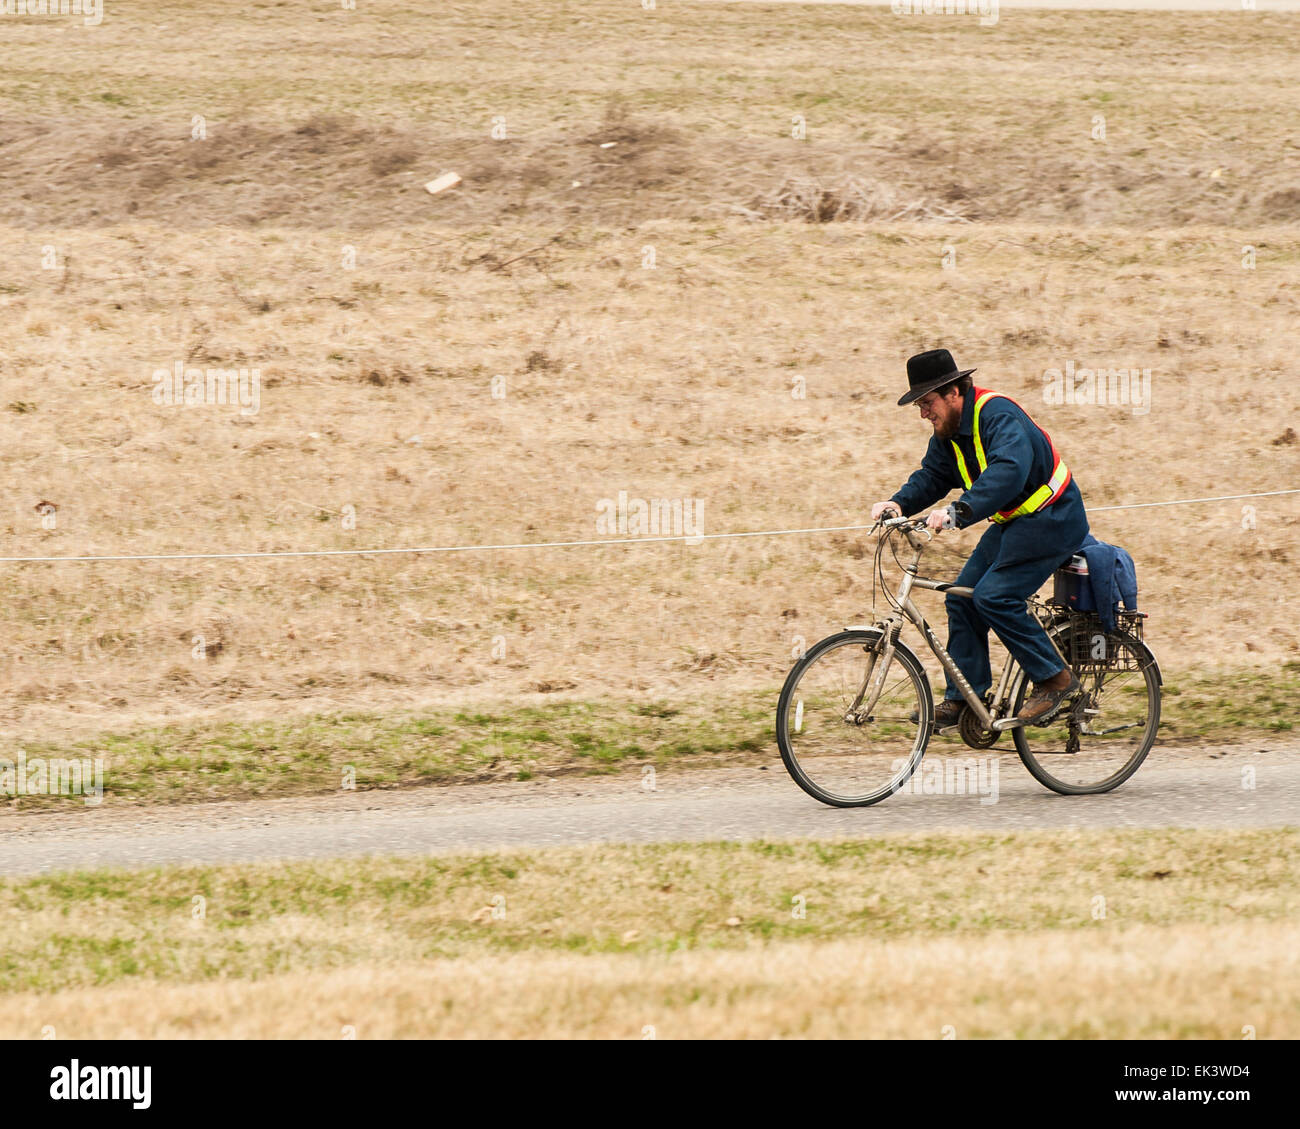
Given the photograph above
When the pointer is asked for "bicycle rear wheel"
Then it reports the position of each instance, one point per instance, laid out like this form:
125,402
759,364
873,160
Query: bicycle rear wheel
1099,741
833,753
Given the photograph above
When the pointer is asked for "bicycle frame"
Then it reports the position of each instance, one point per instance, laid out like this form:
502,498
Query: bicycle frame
892,624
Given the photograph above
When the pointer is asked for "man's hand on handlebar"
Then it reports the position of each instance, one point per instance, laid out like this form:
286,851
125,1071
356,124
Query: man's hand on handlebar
940,520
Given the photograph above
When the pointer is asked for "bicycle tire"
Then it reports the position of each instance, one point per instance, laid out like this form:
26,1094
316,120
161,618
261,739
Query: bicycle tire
803,773
1049,738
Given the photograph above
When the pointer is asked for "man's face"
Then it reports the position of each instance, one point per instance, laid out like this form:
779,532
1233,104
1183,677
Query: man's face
943,412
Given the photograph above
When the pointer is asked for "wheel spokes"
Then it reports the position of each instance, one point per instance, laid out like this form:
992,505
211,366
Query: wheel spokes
1099,740
844,751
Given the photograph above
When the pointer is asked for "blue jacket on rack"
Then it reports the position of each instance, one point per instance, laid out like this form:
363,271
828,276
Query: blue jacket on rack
1112,577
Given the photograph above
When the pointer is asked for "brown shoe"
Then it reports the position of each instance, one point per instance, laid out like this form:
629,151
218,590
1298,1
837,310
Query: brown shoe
947,713
1045,702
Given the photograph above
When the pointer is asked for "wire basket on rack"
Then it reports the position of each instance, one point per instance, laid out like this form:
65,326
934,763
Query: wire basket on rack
1092,648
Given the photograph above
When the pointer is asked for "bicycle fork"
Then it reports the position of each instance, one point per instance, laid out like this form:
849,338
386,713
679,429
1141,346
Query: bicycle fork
877,665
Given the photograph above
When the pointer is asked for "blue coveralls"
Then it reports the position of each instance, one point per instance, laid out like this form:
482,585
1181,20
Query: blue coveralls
1013,559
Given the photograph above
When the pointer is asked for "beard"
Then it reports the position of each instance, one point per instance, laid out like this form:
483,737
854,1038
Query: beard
948,428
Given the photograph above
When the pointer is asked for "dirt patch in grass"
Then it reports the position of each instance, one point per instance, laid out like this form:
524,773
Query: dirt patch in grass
329,171
604,116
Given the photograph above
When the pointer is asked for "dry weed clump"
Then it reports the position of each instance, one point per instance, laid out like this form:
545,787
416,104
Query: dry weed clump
692,122
851,198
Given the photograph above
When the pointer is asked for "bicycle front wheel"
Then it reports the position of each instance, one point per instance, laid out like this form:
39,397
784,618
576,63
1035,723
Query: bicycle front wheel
1100,741
834,750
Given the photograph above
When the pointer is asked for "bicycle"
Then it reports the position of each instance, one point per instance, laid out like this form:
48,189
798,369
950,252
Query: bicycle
856,712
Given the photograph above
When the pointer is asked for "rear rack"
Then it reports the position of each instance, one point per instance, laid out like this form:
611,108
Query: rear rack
1092,648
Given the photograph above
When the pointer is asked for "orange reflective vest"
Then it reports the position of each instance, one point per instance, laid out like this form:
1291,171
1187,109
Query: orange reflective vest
1041,498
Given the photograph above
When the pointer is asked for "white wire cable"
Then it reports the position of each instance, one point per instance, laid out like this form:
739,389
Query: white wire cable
1190,501
558,544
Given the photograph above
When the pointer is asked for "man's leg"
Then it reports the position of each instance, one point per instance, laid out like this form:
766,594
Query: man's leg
968,630
1032,548
1000,599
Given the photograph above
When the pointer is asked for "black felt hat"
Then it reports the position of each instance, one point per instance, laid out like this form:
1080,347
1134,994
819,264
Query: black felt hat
928,371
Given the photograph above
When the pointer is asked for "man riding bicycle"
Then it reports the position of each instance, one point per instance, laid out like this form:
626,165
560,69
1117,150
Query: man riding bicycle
985,444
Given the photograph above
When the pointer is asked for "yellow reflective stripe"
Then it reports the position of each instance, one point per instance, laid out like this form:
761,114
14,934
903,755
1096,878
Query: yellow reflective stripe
961,464
1030,504
1038,497
1035,500
980,461
975,427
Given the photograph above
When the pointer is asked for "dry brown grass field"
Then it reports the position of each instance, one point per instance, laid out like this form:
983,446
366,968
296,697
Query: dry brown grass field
671,382
993,936
1154,984
645,283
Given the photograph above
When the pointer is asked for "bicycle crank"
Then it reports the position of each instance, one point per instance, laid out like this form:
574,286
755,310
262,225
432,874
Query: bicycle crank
968,724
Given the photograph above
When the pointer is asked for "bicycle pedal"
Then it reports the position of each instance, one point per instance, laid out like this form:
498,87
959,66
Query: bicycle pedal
1053,715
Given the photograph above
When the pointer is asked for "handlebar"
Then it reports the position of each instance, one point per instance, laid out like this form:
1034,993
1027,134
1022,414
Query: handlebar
909,525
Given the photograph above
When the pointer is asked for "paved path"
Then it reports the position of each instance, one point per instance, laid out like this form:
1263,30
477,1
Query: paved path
1198,787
